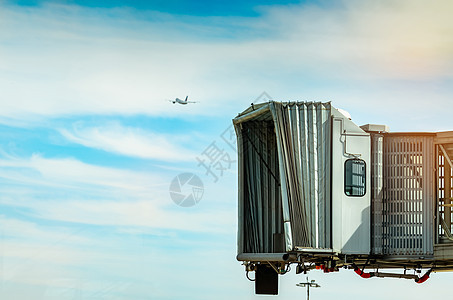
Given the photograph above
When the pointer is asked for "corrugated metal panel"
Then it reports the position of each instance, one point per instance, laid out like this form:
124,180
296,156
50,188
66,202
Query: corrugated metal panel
303,131
377,178
408,195
284,177
261,213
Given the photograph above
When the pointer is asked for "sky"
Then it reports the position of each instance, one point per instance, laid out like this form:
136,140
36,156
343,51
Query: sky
90,144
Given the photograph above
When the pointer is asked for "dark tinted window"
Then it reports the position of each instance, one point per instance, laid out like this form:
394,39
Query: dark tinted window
354,177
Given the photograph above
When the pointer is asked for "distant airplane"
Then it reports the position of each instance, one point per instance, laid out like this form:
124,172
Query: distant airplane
177,100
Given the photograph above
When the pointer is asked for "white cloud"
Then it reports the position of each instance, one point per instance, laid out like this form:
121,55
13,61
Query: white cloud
84,62
130,141
134,215
57,60
32,232
71,173
72,191
378,40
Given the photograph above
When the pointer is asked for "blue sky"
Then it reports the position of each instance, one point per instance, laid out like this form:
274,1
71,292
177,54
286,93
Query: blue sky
89,143
181,7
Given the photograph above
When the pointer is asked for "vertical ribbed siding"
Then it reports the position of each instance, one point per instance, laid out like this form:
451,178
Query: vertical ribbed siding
284,178
444,192
303,133
377,183
261,222
440,165
408,195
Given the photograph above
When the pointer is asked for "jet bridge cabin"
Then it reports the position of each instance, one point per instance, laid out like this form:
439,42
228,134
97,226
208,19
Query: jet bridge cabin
320,192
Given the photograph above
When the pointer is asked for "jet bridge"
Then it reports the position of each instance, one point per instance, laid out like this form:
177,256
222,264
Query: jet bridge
318,191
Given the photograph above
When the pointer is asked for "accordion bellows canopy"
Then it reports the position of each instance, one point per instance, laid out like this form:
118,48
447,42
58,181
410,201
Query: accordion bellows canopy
284,171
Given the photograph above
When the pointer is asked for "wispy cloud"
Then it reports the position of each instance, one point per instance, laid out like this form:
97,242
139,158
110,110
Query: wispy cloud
68,190
135,215
385,40
380,59
83,62
130,141
71,173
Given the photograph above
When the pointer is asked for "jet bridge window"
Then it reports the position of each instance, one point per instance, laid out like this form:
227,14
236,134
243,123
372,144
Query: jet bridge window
354,177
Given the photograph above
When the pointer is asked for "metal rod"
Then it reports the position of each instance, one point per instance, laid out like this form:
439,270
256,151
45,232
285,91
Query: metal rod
447,195
266,257
251,115
308,284
446,156
394,275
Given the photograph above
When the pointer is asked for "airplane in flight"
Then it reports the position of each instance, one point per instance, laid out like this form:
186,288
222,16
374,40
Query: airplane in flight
183,102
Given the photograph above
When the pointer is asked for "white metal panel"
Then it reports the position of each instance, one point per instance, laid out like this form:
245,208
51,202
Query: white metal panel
350,215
